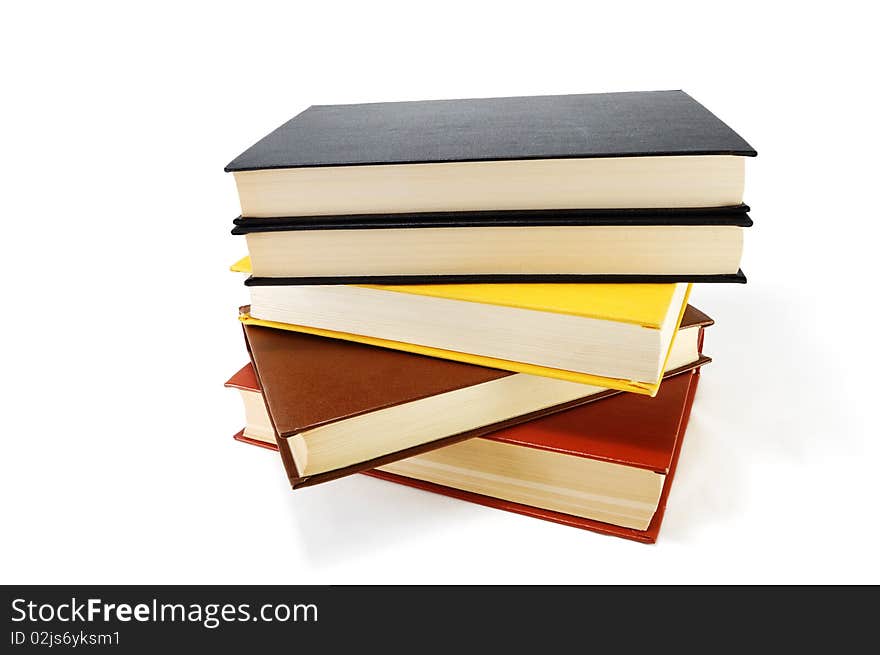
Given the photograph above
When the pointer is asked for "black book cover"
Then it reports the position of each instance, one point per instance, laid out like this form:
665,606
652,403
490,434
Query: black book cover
635,124
736,278
735,216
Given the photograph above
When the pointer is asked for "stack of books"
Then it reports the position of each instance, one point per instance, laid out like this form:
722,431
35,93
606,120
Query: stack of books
488,298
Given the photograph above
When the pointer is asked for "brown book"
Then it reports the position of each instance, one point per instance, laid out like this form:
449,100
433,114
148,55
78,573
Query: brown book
339,407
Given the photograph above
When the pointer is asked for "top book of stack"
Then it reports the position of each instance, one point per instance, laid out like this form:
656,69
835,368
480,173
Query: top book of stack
644,186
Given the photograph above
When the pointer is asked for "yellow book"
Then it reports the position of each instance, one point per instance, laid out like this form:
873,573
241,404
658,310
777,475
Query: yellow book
610,335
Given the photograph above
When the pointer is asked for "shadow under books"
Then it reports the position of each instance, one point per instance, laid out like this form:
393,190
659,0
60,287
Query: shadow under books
769,395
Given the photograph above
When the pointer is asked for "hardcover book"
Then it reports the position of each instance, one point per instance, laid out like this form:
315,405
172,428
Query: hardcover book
643,150
336,407
484,247
610,335
607,466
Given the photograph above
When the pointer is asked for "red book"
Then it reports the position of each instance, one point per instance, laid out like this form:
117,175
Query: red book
606,466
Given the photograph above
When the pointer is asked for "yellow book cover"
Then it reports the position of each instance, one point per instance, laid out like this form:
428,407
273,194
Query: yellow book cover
640,304
243,265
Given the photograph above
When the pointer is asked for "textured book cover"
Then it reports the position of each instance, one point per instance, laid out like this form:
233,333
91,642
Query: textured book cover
631,124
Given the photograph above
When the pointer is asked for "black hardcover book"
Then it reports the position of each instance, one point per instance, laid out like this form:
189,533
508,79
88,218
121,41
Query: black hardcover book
641,150
498,247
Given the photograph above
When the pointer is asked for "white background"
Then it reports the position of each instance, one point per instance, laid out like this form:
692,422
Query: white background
120,318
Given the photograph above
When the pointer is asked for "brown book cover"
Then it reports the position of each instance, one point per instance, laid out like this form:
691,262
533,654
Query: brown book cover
309,381
626,429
